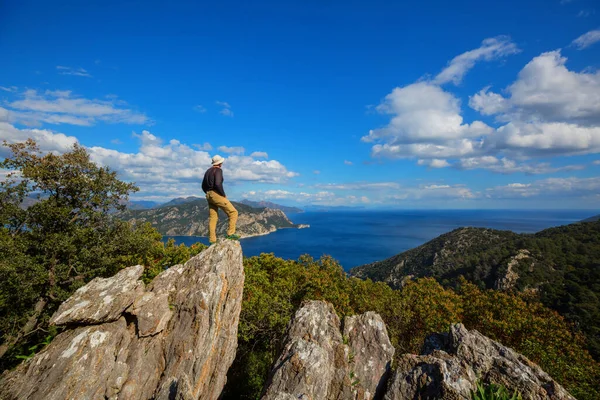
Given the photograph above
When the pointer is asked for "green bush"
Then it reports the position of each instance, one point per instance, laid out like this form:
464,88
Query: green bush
494,392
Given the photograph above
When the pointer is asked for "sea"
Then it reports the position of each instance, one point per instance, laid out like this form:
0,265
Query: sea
355,238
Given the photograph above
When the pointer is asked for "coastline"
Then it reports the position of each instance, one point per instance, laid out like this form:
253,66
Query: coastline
298,226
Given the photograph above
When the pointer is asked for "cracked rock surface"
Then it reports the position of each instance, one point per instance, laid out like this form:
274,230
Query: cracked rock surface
319,362
453,362
174,339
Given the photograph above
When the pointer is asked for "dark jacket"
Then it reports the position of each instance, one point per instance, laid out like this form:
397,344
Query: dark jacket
213,180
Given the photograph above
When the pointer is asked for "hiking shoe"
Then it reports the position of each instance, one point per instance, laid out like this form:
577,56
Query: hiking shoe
233,237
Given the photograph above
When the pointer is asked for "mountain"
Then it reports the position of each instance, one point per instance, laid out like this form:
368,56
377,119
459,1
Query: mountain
142,204
324,208
592,219
189,217
561,265
268,204
181,200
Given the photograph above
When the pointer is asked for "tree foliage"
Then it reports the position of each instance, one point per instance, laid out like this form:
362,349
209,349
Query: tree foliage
275,289
65,238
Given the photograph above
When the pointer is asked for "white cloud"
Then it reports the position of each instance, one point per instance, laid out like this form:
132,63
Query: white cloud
226,110
10,89
62,107
549,111
73,71
259,154
316,172
205,147
348,162
434,163
423,113
47,140
488,103
359,186
596,162
116,141
199,108
490,49
232,150
587,39
161,170
508,166
546,188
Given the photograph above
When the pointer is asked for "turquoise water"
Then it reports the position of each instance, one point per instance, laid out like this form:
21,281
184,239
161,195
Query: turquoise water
360,237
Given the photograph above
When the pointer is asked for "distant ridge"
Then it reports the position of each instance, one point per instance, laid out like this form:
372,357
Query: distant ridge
592,219
268,204
558,264
180,200
189,217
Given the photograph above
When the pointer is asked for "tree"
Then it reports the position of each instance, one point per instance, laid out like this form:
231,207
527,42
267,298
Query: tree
68,236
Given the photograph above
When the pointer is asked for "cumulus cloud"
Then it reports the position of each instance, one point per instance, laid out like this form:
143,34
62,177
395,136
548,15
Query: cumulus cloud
63,107
161,169
547,111
259,154
551,187
232,150
587,39
321,197
490,49
226,108
73,71
423,113
434,163
47,140
359,186
508,166
205,147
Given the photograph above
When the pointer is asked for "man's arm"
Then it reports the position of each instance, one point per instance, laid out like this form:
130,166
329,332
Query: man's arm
219,182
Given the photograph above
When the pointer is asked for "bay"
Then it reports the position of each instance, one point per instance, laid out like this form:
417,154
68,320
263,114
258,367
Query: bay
359,237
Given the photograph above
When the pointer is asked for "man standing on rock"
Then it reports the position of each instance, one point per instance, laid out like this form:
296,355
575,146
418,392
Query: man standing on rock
212,185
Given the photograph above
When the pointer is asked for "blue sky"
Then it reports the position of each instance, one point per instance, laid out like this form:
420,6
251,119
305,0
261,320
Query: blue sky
429,104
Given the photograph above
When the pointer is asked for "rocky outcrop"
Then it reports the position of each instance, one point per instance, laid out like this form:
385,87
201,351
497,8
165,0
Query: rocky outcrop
452,363
174,339
509,279
190,218
319,362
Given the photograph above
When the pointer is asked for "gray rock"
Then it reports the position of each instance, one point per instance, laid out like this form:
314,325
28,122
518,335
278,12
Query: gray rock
371,352
173,340
452,363
317,362
102,299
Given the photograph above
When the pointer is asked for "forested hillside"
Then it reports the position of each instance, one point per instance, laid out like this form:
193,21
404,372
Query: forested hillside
560,265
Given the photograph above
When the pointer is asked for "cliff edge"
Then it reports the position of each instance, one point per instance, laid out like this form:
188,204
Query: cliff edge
172,339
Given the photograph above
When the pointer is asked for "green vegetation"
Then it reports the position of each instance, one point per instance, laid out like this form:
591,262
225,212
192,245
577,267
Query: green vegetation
494,392
561,264
69,236
275,288
63,240
187,217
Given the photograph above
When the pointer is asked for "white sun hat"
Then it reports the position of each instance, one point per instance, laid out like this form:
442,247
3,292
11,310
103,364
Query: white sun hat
216,160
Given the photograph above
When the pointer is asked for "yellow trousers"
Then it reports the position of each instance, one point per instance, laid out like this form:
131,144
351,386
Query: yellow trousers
216,201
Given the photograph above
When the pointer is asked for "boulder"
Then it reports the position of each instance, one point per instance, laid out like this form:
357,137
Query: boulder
318,362
452,363
174,339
